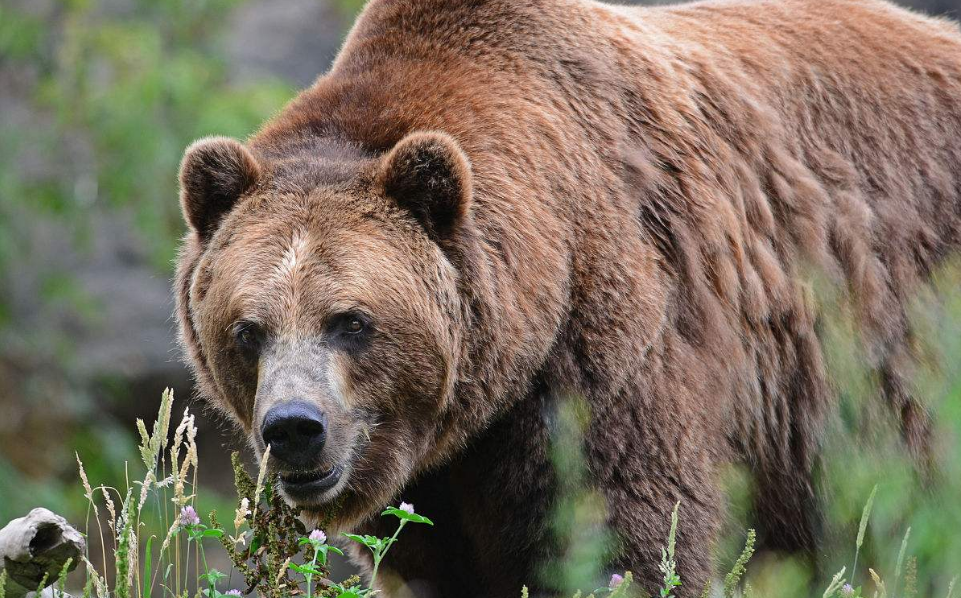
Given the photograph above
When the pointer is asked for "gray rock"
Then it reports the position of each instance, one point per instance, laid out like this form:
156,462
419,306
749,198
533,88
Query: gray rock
34,546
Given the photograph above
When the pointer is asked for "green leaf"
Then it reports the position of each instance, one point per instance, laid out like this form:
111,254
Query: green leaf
304,569
196,532
213,576
146,569
213,533
368,541
404,515
322,551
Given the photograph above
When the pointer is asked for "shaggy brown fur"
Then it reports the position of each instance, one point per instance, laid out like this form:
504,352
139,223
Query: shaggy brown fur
621,205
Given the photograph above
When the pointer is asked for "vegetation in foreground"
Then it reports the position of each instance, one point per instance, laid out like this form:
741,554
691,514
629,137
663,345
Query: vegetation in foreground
275,556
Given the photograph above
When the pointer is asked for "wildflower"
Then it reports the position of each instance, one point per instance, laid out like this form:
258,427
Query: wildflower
318,536
847,590
407,508
233,593
616,580
189,517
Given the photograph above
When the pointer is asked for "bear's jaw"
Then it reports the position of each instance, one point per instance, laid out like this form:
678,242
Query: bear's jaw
315,488
306,485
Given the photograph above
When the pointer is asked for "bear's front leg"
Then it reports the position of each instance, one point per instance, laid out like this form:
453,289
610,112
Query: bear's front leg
645,463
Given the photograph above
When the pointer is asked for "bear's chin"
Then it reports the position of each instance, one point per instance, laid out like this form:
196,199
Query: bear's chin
343,513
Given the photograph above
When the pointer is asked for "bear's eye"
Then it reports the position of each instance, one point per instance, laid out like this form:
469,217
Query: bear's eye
248,336
350,331
354,325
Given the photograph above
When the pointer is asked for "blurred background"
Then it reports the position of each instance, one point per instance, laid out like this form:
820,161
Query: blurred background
98,99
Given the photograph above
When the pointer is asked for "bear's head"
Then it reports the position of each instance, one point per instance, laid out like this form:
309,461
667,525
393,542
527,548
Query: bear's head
323,316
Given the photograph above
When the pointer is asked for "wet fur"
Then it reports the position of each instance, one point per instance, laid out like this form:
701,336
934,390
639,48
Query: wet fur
648,188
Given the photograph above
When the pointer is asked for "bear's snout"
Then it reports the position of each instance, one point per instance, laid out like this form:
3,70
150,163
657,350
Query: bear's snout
296,432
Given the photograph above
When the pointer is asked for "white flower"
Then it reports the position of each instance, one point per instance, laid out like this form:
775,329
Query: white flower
318,536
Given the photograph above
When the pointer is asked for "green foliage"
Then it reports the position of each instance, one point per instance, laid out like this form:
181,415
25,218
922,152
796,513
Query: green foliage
348,8
272,536
20,35
126,542
864,448
379,546
740,566
862,528
43,583
105,99
668,565
580,514
62,578
136,87
911,578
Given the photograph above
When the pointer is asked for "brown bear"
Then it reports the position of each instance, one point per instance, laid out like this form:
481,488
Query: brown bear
489,205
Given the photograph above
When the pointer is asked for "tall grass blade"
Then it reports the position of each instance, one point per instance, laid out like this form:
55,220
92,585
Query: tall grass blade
879,584
62,578
836,582
897,567
911,578
672,536
147,564
740,565
862,528
125,545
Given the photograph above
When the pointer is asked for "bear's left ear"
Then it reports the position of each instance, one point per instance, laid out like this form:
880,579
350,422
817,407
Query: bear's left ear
214,173
428,174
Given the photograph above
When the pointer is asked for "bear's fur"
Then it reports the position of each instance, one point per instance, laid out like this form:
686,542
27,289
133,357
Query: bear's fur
537,199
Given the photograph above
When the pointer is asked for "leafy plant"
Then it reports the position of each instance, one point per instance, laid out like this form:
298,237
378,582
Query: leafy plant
269,541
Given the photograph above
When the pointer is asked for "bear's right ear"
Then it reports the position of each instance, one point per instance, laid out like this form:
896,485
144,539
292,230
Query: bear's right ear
428,174
214,173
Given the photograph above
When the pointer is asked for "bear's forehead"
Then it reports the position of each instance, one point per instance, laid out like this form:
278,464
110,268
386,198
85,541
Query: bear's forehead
332,235
329,246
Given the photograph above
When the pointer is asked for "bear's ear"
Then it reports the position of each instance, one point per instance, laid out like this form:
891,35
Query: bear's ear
214,173
429,175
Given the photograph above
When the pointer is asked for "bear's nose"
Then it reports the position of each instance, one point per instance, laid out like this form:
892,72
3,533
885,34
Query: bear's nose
296,432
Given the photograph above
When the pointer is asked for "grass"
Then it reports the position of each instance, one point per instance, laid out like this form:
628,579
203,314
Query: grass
274,555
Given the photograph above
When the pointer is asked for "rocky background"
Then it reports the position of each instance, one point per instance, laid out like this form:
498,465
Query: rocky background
98,98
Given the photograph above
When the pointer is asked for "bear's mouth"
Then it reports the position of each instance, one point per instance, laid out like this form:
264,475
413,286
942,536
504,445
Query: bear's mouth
303,486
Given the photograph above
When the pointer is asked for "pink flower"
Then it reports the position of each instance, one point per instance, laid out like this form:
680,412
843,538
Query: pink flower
189,517
318,536
847,590
616,580
406,507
